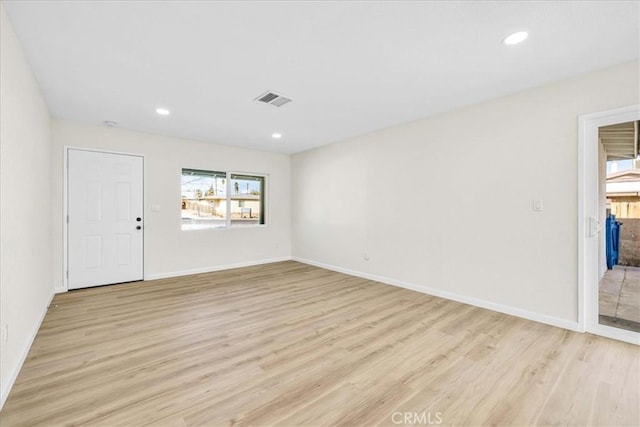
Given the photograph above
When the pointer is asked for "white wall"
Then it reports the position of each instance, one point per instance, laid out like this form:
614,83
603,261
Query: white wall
168,250
26,287
444,204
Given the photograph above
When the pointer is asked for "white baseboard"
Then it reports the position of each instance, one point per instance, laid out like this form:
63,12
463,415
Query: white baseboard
214,268
536,317
169,274
12,376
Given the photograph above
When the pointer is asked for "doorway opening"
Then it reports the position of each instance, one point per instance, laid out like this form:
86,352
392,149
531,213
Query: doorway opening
619,285
609,136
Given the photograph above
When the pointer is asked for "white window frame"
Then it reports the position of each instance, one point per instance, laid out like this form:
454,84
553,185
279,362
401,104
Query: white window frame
228,226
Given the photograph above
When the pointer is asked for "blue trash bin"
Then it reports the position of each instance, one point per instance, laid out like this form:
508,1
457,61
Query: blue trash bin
613,240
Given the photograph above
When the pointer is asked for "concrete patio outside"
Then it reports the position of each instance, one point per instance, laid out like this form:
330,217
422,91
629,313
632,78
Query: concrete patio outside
619,298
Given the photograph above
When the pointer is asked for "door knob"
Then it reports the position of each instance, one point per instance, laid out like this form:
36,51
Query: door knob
138,227
138,219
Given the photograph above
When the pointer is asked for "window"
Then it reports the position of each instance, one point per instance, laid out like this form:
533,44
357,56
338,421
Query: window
214,199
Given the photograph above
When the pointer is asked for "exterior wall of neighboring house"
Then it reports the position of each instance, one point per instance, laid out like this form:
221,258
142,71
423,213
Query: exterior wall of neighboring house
623,193
245,208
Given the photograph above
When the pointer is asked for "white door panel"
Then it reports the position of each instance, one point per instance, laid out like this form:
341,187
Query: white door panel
105,230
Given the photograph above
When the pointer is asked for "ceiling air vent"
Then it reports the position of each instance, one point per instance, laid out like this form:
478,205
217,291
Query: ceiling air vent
273,99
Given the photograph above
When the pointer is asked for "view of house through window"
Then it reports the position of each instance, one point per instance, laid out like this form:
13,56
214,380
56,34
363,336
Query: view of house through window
214,199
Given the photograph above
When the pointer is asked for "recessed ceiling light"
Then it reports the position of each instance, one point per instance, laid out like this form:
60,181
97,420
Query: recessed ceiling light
110,123
276,135
515,38
163,111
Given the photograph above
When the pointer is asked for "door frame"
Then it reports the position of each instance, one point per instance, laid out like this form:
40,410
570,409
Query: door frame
65,208
588,179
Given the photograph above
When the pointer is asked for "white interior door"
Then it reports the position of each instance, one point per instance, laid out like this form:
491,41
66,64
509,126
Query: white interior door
105,224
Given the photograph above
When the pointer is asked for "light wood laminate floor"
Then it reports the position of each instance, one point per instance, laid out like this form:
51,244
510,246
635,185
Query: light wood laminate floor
288,344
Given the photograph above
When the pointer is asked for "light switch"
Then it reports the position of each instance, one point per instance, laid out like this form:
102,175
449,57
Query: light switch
538,206
155,208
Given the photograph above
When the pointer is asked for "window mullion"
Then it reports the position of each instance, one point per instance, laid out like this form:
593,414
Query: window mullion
228,199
